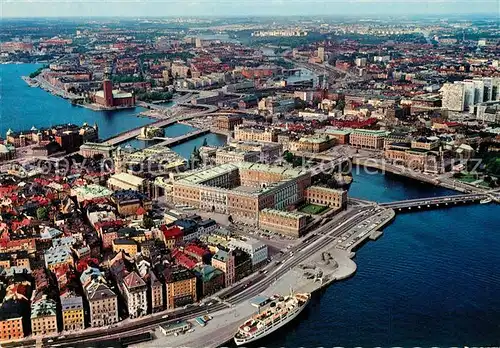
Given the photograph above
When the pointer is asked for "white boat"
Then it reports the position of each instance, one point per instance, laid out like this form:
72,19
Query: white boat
276,314
486,200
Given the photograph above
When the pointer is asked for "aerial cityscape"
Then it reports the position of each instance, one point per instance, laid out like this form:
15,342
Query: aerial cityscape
226,173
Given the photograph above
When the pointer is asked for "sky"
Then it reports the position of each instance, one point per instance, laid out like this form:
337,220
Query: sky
242,8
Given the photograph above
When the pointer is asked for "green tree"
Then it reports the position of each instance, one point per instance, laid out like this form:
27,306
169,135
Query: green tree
148,222
289,157
42,213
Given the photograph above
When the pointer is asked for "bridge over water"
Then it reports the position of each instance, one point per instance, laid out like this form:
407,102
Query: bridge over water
133,133
435,202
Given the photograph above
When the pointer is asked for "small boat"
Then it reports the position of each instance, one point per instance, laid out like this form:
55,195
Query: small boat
486,200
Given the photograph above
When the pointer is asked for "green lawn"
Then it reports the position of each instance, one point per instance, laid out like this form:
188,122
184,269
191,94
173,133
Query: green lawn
469,177
312,209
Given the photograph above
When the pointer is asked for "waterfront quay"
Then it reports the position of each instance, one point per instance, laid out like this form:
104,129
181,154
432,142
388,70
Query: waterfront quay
323,254
314,262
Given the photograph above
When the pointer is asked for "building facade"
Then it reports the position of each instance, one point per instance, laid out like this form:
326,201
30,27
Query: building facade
256,249
225,261
180,287
369,139
134,291
72,313
255,133
43,317
228,122
331,198
288,223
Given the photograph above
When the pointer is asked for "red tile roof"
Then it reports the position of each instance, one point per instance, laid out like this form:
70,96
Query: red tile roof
183,260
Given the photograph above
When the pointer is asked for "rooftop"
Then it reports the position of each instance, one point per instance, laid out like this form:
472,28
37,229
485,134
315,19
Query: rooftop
126,178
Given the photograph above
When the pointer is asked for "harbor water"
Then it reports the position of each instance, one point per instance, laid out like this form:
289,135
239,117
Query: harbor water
431,280
22,107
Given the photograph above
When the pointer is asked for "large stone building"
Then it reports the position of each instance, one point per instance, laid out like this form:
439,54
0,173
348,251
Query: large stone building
288,223
228,122
370,139
90,150
268,152
418,158
336,199
111,98
312,144
255,133
242,189
231,155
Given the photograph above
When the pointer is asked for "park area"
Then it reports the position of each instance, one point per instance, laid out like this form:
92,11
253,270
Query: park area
312,209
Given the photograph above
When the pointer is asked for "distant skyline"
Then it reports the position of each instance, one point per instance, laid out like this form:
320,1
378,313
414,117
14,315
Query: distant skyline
186,8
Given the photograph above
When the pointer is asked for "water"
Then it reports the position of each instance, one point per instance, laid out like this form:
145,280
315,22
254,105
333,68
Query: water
22,107
431,280
185,148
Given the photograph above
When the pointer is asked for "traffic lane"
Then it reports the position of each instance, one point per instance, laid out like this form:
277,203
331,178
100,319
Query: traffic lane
262,283
144,323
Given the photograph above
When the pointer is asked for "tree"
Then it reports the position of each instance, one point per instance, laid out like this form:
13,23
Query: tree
288,156
148,223
42,213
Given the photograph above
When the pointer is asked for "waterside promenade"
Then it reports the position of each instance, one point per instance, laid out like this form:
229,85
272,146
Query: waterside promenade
315,262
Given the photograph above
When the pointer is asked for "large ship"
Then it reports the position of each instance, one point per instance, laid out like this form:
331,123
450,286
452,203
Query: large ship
273,314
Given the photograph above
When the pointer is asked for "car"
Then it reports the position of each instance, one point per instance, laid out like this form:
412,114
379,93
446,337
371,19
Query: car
50,341
165,316
61,337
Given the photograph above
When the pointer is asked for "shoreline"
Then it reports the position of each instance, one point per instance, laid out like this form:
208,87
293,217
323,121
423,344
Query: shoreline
368,163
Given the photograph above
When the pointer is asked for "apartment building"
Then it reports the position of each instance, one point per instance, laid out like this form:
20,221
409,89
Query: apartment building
226,262
134,291
43,317
180,286
72,313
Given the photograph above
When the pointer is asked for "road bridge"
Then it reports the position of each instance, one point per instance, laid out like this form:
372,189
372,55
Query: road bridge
434,202
133,133
327,167
182,138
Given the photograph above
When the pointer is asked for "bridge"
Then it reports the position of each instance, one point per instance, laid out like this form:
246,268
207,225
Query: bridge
182,138
133,133
327,167
291,72
435,202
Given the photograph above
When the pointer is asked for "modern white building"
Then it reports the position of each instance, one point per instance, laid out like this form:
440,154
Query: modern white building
255,248
453,96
